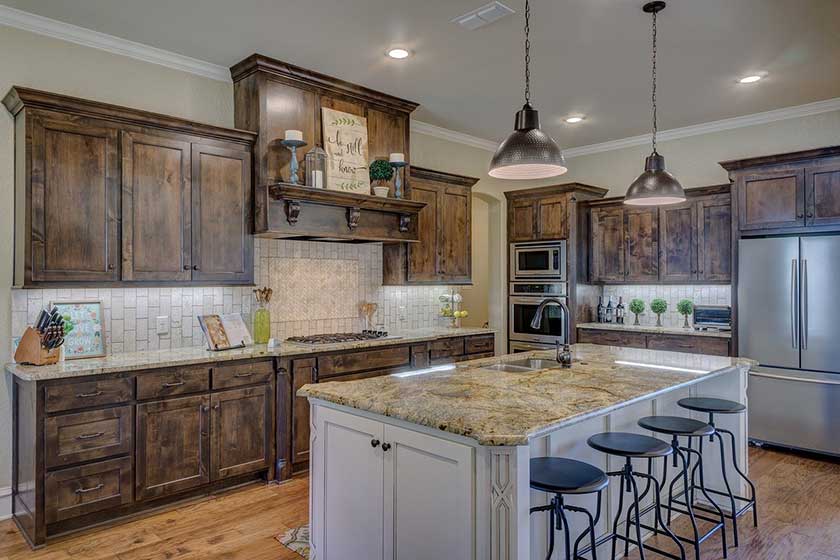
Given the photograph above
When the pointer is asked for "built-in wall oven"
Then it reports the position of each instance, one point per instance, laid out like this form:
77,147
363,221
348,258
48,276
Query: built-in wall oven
524,299
543,261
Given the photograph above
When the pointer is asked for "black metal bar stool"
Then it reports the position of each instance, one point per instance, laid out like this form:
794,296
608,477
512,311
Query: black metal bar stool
714,406
562,477
676,427
635,446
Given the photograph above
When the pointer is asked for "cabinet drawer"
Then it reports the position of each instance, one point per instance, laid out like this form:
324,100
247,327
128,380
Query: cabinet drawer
84,436
352,362
235,375
689,344
82,490
612,338
174,381
480,344
419,356
447,348
87,393
476,356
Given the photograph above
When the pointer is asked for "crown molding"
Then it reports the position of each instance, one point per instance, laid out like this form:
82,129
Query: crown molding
89,38
453,136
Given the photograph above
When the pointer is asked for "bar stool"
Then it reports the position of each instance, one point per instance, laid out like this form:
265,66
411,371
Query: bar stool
560,477
635,446
714,406
676,427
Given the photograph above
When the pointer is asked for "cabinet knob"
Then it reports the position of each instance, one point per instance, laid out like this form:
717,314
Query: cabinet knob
799,214
205,408
111,267
386,446
186,267
810,214
196,267
374,443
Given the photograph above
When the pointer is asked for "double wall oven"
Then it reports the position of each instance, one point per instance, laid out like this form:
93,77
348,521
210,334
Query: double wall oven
537,271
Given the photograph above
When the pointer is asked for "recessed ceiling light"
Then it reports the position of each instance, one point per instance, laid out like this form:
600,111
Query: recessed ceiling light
574,119
398,53
751,79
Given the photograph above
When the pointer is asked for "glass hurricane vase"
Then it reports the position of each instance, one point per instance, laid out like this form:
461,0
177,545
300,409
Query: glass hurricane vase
262,324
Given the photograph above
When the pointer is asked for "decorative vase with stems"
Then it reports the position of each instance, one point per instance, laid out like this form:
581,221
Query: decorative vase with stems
685,308
637,307
659,306
262,317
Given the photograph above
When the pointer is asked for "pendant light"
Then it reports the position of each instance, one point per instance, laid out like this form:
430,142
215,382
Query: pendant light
655,186
528,153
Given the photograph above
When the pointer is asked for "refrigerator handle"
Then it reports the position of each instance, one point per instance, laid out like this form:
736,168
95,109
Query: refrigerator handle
804,304
794,310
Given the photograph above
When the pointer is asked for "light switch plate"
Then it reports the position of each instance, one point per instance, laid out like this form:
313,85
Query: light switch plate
162,324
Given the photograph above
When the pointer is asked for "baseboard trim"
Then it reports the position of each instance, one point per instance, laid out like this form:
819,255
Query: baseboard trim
5,502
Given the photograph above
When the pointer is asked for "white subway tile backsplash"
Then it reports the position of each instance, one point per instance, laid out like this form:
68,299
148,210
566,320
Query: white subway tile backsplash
698,294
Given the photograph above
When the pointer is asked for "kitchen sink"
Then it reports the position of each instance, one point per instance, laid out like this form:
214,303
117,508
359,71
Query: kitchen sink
522,366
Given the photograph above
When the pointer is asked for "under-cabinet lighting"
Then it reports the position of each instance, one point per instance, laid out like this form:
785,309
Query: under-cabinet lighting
434,369
656,366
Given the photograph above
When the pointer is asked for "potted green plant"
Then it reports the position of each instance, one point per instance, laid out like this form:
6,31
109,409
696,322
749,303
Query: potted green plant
637,307
659,306
684,308
380,173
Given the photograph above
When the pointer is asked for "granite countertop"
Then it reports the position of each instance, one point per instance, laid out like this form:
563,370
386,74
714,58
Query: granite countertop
134,361
654,330
499,408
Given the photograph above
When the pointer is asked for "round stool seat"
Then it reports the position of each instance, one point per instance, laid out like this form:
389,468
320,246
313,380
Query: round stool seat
566,476
676,425
717,406
629,445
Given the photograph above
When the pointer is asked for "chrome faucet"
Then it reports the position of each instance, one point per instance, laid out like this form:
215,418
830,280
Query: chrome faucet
562,352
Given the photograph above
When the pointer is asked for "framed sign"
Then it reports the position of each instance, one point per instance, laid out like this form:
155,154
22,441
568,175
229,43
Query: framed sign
84,332
346,144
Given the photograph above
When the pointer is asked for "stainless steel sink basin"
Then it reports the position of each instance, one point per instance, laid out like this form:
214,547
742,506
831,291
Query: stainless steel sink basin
523,366
508,368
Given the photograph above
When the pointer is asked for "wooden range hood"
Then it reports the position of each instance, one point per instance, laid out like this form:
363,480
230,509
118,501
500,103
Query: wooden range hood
271,97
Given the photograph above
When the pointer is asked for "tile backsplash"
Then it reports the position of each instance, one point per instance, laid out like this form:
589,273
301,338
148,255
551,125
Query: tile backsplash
318,288
699,294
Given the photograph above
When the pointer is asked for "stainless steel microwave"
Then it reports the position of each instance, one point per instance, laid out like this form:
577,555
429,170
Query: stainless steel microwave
538,260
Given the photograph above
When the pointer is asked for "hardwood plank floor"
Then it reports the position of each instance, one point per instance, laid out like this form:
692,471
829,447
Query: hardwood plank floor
799,519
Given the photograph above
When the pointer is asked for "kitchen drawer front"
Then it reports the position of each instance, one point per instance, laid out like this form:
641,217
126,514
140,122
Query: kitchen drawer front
87,393
242,374
352,362
85,436
446,348
362,375
419,356
476,356
87,489
480,344
172,381
690,344
612,338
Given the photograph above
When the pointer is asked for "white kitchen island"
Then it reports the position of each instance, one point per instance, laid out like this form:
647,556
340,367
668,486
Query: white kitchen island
434,463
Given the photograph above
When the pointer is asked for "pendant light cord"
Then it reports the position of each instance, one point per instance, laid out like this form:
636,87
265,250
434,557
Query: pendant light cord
527,52
653,80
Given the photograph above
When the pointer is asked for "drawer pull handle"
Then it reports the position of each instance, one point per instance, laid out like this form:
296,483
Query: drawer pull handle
91,489
245,374
90,436
173,384
88,395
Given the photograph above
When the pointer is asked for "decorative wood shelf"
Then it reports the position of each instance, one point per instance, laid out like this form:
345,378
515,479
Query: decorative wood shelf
308,213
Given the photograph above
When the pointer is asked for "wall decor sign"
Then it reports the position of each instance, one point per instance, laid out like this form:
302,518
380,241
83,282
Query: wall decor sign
346,144
84,332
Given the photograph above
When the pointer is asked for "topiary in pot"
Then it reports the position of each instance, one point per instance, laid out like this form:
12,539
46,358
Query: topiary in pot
659,306
380,172
637,307
684,308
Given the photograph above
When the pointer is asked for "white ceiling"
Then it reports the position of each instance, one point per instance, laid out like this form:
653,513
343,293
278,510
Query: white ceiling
589,56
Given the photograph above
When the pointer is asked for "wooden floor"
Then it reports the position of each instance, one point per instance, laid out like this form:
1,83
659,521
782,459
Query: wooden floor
799,519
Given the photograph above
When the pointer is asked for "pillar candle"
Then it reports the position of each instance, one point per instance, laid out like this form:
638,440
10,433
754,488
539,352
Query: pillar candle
294,135
397,158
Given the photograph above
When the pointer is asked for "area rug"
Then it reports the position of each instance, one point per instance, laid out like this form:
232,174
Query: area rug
296,540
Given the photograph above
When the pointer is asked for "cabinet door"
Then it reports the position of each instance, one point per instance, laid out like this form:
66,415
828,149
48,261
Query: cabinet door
421,470
303,372
173,446
156,234
423,256
642,231
677,242
347,487
522,221
608,245
74,201
241,421
552,218
455,236
822,189
714,239
771,199
222,245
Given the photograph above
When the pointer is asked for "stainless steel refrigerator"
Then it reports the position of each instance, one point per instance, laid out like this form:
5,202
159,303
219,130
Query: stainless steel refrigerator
788,313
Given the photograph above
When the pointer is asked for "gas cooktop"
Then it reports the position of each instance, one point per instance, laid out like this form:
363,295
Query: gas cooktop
334,338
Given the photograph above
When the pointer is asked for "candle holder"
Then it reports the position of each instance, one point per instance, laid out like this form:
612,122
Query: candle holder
293,145
398,165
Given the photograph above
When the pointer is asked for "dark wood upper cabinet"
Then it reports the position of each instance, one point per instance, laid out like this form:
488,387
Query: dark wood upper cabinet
822,194
678,242
641,230
444,226
714,239
608,245
242,422
522,220
552,217
544,218
87,214
771,200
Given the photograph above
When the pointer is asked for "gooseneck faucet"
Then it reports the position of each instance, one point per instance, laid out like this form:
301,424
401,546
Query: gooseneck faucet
562,352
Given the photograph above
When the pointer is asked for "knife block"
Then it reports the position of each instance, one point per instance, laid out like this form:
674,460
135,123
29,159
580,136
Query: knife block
30,351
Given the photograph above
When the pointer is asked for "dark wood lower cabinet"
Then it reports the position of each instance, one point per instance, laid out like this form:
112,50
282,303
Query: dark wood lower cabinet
691,344
241,432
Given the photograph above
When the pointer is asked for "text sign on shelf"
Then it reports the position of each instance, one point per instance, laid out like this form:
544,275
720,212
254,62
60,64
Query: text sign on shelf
346,144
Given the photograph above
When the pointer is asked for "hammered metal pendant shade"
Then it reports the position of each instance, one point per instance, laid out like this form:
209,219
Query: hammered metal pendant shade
655,186
528,153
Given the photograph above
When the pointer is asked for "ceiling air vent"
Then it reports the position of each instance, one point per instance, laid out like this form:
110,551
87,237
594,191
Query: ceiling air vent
482,16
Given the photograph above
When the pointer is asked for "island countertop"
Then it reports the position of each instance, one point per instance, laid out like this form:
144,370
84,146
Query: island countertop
501,408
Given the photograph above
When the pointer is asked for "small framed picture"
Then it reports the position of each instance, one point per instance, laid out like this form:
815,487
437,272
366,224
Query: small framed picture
84,329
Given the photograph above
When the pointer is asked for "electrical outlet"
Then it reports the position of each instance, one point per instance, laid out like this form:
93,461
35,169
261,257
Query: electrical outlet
401,312
162,325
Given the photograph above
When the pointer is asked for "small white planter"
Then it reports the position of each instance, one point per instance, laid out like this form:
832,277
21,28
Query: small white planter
381,192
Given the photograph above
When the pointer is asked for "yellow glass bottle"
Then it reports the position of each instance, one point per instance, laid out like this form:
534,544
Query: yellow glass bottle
262,324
